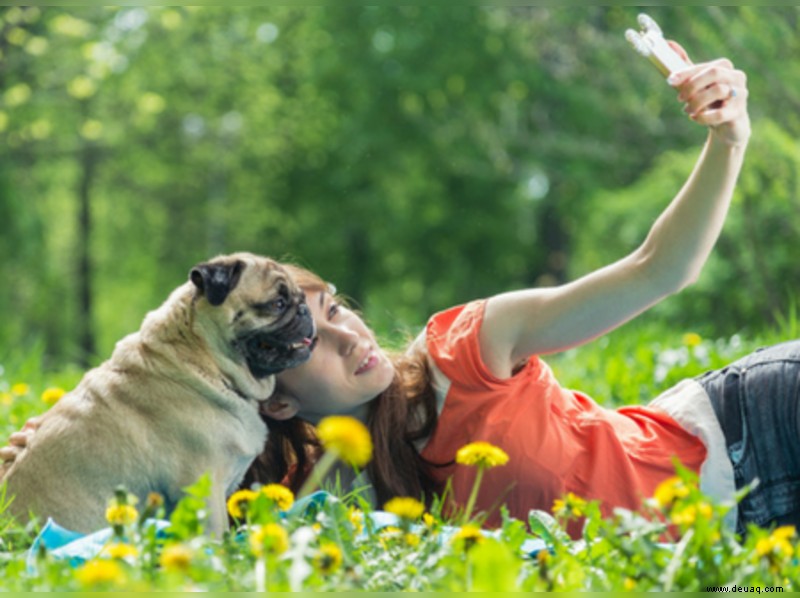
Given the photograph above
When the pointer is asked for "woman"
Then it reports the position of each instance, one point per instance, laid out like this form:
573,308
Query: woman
475,374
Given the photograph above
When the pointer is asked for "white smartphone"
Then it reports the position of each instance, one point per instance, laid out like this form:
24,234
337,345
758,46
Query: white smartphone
650,43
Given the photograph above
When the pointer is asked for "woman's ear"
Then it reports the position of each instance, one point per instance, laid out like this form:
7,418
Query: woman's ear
280,406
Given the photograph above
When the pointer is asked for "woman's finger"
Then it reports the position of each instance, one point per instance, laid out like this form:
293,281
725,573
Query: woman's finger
679,49
703,75
726,112
712,97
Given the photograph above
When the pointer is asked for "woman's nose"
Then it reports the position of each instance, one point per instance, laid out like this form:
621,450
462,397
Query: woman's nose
346,339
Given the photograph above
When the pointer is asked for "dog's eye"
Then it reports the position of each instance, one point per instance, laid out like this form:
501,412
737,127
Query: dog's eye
275,306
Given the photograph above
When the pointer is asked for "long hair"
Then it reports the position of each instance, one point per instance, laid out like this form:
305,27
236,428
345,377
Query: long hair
405,412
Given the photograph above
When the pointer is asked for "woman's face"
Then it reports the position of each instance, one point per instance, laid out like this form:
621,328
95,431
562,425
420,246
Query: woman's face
346,370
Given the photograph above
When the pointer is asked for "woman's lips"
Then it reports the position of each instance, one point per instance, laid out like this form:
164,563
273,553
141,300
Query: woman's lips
369,361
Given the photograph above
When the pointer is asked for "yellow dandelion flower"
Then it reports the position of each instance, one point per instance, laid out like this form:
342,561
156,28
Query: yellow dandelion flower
784,532
685,516
328,559
569,506
543,557
269,539
6,398
481,454
468,536
239,501
629,584
411,539
764,546
20,389
280,495
784,548
692,339
347,437
428,520
51,395
777,543
117,514
405,507
704,510
669,491
100,572
120,550
154,501
176,558
356,517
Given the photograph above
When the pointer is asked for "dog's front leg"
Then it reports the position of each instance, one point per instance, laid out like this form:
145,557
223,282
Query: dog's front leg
217,508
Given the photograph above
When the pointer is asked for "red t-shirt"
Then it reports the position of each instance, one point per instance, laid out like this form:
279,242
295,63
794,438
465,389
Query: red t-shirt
558,440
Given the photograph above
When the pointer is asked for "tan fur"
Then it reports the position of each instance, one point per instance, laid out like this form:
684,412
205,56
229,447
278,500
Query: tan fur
175,400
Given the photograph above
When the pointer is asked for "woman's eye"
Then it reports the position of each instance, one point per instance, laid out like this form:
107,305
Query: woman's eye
333,310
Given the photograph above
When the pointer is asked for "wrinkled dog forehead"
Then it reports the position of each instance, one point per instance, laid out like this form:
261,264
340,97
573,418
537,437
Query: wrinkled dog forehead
243,281
262,280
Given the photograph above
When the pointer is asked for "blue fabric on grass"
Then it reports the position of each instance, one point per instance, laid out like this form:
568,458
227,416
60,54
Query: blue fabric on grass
75,547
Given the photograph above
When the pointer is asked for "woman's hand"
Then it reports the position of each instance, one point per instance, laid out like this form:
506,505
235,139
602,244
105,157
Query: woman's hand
714,94
19,440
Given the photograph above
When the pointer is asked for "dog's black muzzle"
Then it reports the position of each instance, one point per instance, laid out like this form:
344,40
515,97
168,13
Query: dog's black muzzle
289,345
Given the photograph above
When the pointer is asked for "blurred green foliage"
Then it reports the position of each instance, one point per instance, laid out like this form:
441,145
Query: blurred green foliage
415,156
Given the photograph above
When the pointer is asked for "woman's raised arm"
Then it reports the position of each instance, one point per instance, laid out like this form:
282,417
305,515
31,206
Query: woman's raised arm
546,320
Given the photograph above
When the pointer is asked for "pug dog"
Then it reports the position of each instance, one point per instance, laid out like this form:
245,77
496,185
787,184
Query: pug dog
177,399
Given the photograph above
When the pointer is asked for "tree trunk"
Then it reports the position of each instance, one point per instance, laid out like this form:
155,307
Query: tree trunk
88,164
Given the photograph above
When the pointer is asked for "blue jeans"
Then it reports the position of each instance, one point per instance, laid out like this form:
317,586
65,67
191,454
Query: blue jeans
757,402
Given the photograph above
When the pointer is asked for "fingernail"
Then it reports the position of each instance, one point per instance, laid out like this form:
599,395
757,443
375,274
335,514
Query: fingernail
673,78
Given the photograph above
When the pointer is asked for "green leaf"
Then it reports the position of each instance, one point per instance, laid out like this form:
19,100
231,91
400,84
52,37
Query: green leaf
495,567
188,518
544,525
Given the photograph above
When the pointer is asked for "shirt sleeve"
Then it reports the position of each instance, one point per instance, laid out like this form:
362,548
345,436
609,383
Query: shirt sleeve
453,344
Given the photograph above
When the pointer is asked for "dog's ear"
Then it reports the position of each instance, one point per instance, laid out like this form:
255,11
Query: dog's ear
216,280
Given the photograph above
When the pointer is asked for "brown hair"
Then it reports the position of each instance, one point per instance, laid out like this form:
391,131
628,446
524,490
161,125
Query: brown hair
403,413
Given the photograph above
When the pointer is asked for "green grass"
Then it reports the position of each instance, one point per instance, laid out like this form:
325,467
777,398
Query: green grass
334,547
